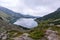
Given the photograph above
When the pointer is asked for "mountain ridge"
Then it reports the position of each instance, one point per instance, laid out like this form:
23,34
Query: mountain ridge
10,12
11,16
54,15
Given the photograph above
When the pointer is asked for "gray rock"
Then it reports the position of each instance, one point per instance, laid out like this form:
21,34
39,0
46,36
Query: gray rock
51,35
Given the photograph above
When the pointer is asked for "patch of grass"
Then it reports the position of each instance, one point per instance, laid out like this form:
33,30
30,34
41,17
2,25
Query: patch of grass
14,33
37,34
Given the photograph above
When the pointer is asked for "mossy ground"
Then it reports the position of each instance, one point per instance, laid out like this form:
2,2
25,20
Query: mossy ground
13,33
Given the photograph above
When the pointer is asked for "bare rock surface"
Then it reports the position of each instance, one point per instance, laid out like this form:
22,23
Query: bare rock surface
23,37
52,35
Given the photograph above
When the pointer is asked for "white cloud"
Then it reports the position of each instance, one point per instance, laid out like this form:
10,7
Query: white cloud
31,7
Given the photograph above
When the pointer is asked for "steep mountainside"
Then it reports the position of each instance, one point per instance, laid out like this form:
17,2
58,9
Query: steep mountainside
7,18
14,14
9,31
52,16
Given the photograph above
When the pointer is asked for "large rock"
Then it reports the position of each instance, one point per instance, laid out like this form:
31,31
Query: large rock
52,35
23,37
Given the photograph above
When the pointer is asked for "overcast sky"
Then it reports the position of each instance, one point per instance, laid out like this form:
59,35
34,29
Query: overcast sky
31,7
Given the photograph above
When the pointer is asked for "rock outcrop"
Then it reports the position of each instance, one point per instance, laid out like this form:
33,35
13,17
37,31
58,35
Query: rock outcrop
52,35
23,37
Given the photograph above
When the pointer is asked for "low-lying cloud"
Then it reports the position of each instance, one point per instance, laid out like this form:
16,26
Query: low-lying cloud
31,7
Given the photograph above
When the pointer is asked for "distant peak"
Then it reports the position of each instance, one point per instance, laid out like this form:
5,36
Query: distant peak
58,9
2,7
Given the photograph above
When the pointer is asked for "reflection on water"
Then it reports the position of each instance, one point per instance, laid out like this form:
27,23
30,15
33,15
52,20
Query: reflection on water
26,22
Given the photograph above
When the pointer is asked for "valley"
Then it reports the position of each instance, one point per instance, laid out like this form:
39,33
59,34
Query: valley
27,27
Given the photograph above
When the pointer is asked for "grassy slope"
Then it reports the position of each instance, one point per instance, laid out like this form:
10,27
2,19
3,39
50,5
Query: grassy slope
39,31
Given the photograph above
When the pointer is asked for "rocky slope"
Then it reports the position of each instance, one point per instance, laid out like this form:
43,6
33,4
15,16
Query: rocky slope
52,35
9,31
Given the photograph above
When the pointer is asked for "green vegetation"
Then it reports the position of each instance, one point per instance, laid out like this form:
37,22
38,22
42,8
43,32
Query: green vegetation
13,33
37,34
39,31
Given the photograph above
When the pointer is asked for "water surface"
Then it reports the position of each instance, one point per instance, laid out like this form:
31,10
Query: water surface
26,22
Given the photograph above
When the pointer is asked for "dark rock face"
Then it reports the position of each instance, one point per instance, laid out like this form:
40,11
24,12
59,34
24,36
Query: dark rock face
1,18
